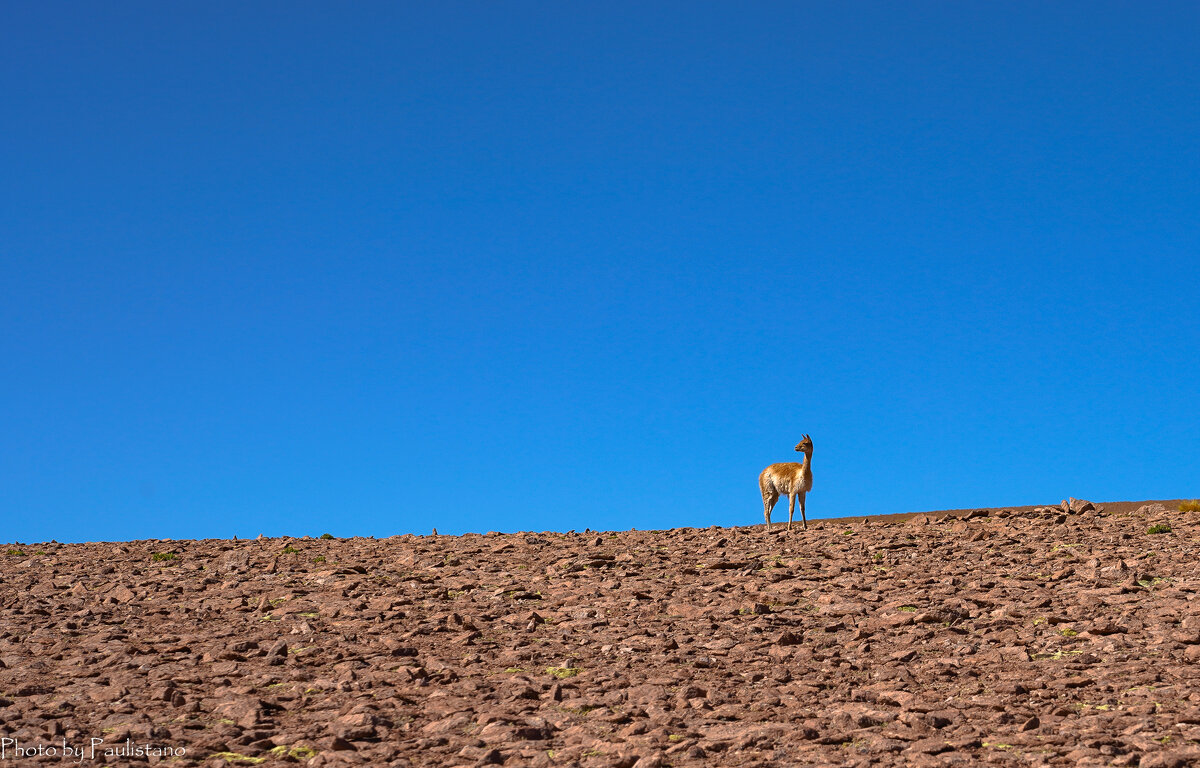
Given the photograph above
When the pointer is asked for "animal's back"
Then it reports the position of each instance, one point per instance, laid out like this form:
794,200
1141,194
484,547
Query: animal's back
786,478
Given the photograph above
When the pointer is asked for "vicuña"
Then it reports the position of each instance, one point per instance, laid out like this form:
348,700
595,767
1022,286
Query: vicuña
787,479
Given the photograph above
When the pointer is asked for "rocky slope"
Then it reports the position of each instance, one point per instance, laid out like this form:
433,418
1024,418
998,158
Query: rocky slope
1050,636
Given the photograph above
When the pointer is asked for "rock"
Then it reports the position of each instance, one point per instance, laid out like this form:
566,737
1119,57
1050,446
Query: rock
1073,682
1079,506
687,611
338,744
930,746
246,712
107,693
940,719
1016,689
1105,627
1169,759
237,561
691,692
356,726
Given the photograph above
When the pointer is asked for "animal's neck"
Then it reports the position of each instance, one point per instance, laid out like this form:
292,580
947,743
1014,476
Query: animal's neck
807,461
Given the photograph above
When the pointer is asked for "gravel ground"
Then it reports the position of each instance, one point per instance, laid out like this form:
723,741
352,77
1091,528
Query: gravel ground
1014,637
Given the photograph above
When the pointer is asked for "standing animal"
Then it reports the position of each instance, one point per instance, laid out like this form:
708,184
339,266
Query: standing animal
787,479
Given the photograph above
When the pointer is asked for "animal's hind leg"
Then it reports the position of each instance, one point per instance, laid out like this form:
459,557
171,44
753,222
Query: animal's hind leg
769,498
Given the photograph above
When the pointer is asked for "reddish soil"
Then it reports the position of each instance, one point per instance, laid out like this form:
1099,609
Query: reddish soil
1012,637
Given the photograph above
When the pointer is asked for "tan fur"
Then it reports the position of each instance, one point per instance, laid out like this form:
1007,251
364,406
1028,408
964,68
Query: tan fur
787,479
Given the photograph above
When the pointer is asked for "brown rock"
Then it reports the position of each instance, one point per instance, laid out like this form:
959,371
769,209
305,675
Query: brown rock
1105,627
107,693
246,712
941,718
1170,759
931,746
356,726
1072,682
338,744
491,757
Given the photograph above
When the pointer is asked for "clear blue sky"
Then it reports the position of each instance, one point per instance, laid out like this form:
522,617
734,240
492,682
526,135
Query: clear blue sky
372,268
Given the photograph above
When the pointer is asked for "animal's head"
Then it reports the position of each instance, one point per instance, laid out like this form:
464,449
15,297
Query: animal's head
805,445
